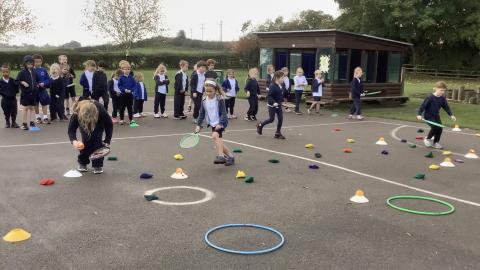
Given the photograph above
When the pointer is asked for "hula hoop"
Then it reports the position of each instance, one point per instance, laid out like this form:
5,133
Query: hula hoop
451,210
254,252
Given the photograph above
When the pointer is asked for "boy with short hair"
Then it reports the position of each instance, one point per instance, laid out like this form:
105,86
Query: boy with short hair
181,88
42,97
100,85
9,91
86,79
28,79
211,74
430,110
197,86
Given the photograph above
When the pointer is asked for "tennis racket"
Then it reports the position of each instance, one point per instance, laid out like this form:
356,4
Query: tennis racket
373,93
100,153
189,141
433,123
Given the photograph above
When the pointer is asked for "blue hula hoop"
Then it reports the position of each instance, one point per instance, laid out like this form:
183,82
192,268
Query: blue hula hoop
254,252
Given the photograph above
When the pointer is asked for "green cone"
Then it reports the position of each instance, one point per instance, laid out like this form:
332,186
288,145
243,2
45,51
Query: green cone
112,158
429,155
150,197
249,179
420,130
318,155
134,124
237,150
273,161
412,145
420,176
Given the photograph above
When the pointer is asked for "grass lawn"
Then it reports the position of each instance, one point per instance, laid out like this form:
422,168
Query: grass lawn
415,87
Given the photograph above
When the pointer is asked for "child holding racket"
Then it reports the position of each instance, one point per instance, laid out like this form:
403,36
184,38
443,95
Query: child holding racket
214,112
93,120
317,91
356,93
430,109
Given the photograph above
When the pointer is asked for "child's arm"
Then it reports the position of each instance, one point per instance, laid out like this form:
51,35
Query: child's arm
108,125
177,85
84,82
166,81
315,85
448,110
422,107
223,113
237,87
72,131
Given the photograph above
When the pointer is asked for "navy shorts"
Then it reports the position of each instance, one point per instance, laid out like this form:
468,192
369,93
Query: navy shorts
70,92
317,98
27,99
42,97
220,131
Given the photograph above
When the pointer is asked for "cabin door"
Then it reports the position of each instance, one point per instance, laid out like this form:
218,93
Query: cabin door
308,64
281,60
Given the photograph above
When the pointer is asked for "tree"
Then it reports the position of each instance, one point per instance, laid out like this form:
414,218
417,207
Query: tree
124,21
72,45
181,34
15,18
438,29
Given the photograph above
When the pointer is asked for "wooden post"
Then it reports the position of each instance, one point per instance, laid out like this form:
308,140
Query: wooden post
461,93
468,95
448,94
477,97
455,94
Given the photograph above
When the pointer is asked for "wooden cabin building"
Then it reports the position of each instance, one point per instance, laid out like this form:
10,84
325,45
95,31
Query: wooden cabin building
337,53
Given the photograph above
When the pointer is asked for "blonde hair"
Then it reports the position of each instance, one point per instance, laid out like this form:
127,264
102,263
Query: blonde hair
123,63
270,67
87,115
54,67
252,71
318,72
90,63
356,70
159,68
139,76
440,84
299,69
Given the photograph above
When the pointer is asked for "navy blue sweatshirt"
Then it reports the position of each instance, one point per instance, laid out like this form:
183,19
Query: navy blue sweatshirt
8,90
357,88
30,77
275,94
252,86
158,83
99,82
179,82
431,106
57,87
104,123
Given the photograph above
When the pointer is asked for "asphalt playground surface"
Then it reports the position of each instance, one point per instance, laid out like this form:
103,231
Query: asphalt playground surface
104,222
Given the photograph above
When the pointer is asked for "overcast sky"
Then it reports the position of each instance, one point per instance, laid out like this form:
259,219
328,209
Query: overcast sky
61,20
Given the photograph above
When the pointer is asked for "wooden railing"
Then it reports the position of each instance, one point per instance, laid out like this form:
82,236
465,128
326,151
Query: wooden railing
443,73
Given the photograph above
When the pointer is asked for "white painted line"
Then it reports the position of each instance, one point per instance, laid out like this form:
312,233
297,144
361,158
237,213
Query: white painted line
208,195
355,172
396,124
393,133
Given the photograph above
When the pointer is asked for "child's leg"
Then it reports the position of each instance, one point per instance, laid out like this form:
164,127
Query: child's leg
218,143
255,106
163,97
250,107
197,102
314,103
298,98
181,105
115,106
357,106
5,110
271,116
157,102
122,102
176,105
106,100
140,106
232,105
318,107
53,111
25,114
136,103
130,106
279,113
13,112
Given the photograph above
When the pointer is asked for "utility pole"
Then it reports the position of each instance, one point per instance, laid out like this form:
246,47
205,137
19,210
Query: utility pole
221,30
191,33
202,27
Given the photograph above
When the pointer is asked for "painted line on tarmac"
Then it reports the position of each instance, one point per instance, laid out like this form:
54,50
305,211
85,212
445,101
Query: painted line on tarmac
208,195
355,172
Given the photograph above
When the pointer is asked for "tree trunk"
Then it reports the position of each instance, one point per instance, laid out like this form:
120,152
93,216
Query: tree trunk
455,94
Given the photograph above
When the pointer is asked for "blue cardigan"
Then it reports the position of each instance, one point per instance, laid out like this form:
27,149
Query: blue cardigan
222,112
137,92
127,82
226,85
357,88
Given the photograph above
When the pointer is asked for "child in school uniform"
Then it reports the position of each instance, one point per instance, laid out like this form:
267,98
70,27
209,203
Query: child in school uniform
286,87
93,120
161,89
211,74
190,100
9,91
356,93
274,103
28,79
115,93
140,95
197,86
299,84
100,85
86,79
69,86
253,93
230,87
69,76
317,91
430,110
126,84
269,77
214,112
42,97
57,92
181,89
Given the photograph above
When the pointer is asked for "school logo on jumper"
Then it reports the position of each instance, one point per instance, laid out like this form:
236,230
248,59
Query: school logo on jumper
324,63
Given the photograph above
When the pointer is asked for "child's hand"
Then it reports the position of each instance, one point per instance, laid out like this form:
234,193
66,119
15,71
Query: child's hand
453,118
197,129
275,104
248,93
194,95
57,96
41,84
419,117
25,84
218,127
78,145
362,94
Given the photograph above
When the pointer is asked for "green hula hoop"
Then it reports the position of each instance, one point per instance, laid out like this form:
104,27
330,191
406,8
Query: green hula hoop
451,210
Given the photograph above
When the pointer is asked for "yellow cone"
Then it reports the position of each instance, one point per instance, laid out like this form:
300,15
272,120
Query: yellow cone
179,174
178,157
471,154
359,197
447,153
350,140
309,146
456,128
241,174
17,235
434,167
381,141
447,163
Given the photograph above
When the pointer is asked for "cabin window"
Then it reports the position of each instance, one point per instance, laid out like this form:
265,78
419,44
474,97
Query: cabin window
382,65
341,65
295,62
266,58
355,61
369,63
394,65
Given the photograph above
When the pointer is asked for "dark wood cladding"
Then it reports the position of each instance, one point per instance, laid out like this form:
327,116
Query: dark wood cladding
340,91
300,41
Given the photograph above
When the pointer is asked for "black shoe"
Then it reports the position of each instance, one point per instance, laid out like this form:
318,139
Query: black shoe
24,126
14,125
259,129
176,118
32,124
97,170
254,118
7,125
279,136
219,160
229,161
82,168
183,117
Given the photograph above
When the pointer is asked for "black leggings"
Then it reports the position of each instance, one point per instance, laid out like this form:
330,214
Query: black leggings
197,102
356,107
91,143
435,132
230,104
271,117
9,106
57,108
298,98
159,100
126,101
253,109
138,106
178,104
104,96
115,105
